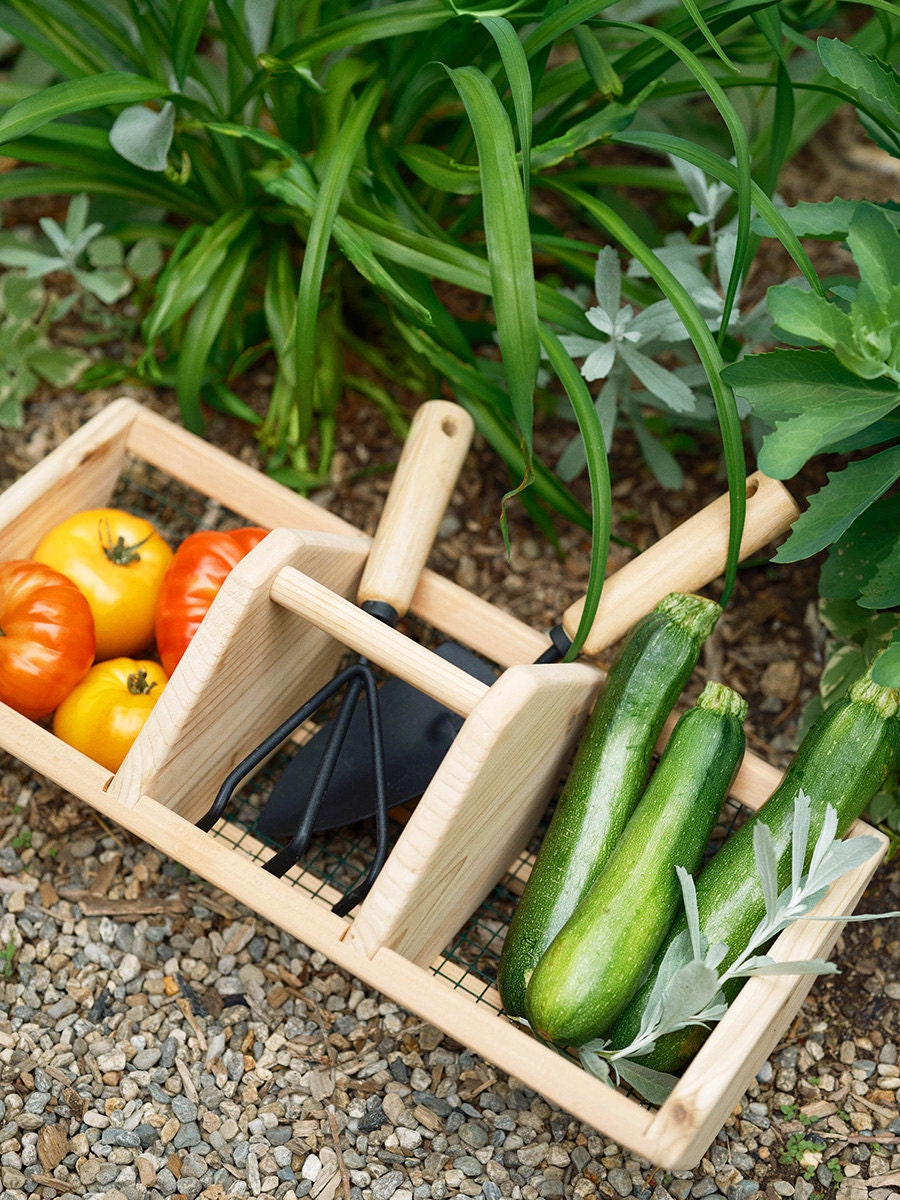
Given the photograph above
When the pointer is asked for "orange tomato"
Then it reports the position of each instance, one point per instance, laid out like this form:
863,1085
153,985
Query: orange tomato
46,637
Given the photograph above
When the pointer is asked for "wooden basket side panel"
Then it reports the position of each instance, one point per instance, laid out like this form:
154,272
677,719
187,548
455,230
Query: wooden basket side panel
226,479
762,1012
479,810
80,473
249,666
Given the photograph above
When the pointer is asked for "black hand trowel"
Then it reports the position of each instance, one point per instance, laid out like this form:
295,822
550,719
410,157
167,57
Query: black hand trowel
419,730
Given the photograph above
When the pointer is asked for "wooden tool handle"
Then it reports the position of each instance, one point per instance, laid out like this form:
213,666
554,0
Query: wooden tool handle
685,560
435,449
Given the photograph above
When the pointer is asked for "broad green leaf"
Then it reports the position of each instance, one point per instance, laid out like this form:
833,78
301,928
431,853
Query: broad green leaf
854,559
874,242
807,315
841,669
829,220
813,401
58,365
145,258
143,136
862,73
782,383
833,509
883,590
106,251
77,95
508,242
887,670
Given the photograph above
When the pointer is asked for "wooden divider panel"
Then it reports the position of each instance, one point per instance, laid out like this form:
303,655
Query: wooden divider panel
479,810
249,666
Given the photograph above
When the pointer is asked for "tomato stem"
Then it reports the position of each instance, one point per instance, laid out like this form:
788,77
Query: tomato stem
120,553
138,684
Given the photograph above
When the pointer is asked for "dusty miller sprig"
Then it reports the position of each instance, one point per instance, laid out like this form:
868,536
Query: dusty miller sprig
688,986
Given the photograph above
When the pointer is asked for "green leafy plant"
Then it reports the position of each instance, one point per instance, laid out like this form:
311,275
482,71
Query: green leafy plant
380,197
28,356
96,261
840,392
833,388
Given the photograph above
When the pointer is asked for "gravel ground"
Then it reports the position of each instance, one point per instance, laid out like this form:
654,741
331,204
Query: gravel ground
157,1039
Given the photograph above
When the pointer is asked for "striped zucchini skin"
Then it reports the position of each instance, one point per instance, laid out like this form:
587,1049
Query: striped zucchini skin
595,963
607,778
842,761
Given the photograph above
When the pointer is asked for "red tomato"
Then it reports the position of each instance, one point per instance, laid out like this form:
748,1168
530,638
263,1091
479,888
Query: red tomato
46,637
195,574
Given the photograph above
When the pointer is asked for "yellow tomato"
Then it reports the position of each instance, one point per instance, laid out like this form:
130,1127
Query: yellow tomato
118,561
104,713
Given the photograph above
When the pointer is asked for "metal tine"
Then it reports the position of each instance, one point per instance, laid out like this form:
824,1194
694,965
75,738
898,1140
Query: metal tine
429,466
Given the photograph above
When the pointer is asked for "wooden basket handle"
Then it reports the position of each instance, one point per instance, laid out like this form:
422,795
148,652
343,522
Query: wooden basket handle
685,560
433,454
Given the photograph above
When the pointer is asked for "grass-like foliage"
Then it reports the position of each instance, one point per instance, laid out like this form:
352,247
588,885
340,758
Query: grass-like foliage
409,195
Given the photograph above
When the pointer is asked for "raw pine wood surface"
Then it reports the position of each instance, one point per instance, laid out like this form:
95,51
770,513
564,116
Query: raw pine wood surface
246,670
479,810
685,560
357,630
433,454
81,473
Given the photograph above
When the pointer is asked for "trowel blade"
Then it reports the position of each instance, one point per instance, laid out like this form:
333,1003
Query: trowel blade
418,731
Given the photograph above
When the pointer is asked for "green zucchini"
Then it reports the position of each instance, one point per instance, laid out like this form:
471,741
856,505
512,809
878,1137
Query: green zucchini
646,677
842,761
597,960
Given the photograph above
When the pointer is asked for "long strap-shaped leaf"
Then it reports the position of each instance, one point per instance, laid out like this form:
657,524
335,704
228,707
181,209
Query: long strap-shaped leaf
508,241
598,474
186,279
320,230
713,164
77,95
741,152
708,351
204,327
515,64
